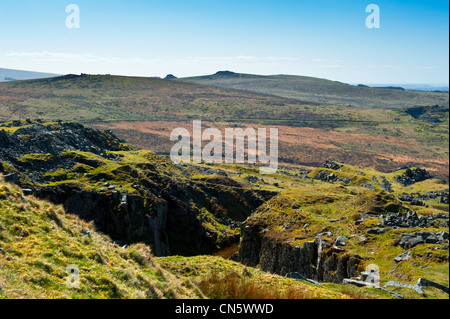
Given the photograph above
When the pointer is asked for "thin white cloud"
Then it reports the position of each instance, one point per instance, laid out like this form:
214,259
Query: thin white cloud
71,57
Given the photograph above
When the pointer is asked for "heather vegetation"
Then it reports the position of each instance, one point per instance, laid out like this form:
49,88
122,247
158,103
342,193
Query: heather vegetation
357,186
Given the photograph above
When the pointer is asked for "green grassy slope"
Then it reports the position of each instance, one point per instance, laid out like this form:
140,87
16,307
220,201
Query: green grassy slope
322,91
39,241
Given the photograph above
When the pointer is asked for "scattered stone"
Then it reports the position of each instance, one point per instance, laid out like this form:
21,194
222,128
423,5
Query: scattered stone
369,186
252,179
408,220
340,241
418,202
2,251
403,256
385,185
337,249
328,233
325,177
409,241
331,165
375,231
359,221
346,180
442,216
431,239
361,238
295,206
418,287
442,236
86,233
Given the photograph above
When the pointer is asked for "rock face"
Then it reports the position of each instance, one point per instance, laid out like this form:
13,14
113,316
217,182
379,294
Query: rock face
125,218
316,260
161,218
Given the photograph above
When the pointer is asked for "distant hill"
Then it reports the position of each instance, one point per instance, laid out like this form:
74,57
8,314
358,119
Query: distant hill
143,111
316,90
15,75
105,98
415,87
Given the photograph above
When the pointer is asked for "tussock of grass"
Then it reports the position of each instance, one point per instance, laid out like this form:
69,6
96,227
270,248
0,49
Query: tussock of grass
218,278
233,286
40,241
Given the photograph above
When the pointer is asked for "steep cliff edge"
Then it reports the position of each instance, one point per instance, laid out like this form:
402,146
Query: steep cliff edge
334,229
133,196
317,259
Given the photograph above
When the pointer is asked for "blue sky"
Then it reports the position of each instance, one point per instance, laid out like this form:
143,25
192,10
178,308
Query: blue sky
323,38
